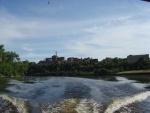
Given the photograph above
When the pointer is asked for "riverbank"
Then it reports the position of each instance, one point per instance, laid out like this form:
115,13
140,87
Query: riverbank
134,72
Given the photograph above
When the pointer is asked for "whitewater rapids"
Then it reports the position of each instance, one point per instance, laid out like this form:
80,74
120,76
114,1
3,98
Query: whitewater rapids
80,95
91,106
120,102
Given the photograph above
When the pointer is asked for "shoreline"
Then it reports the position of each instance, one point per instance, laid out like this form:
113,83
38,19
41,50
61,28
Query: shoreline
90,75
134,72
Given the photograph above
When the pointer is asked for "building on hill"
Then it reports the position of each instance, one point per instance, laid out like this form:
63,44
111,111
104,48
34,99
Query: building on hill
48,59
70,59
54,58
90,59
87,59
94,60
135,58
61,59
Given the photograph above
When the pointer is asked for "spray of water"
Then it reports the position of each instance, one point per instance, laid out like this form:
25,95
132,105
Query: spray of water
120,102
74,106
82,105
89,106
22,105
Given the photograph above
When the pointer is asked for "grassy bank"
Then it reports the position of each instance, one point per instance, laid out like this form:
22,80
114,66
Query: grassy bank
134,72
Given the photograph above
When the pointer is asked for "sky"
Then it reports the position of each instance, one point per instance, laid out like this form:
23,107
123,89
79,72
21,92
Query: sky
35,29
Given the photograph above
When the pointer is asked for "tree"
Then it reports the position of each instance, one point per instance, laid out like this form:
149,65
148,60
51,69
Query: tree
142,63
12,56
10,64
1,52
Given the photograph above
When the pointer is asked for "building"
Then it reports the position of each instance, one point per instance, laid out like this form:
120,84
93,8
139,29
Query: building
86,59
61,59
134,58
76,59
54,58
94,60
90,59
70,59
48,59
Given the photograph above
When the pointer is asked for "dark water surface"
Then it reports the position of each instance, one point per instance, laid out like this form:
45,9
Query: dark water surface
44,90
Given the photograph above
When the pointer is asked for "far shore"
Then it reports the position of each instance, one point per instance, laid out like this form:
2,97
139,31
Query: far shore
135,72
123,73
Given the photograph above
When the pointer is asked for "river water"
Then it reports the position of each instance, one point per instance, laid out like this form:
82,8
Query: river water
51,91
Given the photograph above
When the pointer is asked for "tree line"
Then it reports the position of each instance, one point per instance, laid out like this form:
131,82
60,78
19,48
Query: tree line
107,66
11,66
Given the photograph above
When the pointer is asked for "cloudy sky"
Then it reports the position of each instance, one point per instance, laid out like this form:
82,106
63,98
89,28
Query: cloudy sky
80,28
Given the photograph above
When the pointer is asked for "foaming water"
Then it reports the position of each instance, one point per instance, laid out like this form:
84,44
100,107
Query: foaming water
84,95
118,103
74,106
91,106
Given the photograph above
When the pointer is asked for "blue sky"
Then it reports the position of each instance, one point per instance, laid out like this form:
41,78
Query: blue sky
75,28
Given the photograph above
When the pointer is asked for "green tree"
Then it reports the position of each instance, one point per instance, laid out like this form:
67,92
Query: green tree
10,64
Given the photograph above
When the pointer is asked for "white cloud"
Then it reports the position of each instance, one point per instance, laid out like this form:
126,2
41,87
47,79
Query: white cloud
33,56
16,28
27,49
126,36
102,37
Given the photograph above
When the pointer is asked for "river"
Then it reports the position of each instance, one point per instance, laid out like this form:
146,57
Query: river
51,91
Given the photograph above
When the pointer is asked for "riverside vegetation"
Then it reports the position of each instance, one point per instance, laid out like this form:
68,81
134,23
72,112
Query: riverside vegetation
108,66
11,66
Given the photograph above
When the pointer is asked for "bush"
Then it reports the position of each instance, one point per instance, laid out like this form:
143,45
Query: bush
102,71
